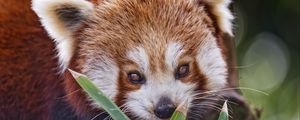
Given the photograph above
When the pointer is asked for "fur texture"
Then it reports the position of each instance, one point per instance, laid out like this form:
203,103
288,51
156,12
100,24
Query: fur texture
220,9
152,37
29,83
61,18
108,40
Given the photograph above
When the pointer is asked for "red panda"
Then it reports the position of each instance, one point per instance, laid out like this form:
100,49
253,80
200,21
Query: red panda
146,55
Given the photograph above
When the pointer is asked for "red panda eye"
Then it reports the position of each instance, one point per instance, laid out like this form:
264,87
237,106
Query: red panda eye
182,71
136,77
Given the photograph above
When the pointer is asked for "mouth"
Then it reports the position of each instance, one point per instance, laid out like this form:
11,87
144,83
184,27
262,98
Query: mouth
204,110
209,109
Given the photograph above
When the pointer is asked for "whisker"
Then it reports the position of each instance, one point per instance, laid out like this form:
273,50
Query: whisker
199,115
251,89
216,108
124,105
62,97
221,98
235,88
244,66
107,117
98,115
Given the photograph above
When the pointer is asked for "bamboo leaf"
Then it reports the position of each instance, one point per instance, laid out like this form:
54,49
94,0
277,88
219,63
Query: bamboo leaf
181,111
97,95
224,112
177,115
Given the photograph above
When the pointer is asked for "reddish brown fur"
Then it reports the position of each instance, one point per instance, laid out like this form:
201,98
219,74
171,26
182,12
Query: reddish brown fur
28,76
27,64
226,44
30,84
133,23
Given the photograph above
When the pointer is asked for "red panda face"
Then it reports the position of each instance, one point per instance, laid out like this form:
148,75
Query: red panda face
148,56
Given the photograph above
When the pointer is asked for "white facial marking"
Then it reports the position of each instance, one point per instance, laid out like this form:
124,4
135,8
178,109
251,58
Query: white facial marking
142,102
103,72
140,57
212,64
174,51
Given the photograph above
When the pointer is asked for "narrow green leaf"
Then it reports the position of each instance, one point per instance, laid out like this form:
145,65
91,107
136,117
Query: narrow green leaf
178,116
97,95
180,112
224,112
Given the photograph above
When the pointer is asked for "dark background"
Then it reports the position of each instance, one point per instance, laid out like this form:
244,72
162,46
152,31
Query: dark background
267,41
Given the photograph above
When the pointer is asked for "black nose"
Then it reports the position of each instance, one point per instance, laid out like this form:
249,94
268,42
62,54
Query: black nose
164,108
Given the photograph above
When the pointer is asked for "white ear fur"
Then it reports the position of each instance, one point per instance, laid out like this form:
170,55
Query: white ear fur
60,18
223,14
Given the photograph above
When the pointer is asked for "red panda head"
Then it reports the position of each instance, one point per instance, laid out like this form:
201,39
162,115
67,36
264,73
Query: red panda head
148,56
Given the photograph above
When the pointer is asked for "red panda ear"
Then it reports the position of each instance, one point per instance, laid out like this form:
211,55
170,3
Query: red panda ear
220,10
61,18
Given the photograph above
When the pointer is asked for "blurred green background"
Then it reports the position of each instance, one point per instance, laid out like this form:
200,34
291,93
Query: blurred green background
267,40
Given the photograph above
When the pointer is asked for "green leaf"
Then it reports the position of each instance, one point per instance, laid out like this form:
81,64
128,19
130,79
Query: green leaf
224,112
180,112
99,97
178,116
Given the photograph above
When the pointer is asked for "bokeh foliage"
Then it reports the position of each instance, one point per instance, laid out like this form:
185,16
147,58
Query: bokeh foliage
268,42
